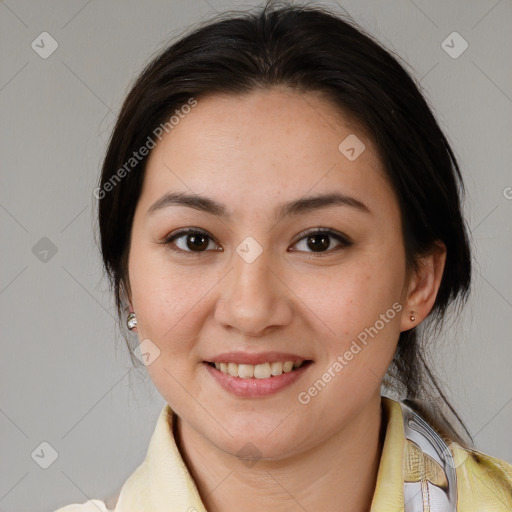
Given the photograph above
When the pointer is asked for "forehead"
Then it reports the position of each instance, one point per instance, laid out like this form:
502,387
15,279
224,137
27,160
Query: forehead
267,145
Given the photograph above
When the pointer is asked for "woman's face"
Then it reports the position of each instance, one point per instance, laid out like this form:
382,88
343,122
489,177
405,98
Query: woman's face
252,285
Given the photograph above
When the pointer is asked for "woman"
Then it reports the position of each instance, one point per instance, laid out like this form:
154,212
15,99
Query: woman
280,219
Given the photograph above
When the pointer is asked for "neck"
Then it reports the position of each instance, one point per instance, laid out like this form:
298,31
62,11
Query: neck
314,480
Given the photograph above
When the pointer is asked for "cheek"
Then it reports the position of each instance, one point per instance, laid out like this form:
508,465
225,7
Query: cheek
159,296
352,297
167,303
356,311
358,320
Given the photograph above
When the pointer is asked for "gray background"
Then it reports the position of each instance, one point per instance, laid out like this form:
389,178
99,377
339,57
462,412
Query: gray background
66,377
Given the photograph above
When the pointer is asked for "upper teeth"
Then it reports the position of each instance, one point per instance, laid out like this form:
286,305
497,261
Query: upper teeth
259,371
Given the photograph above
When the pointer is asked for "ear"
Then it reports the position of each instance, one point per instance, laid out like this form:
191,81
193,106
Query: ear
422,287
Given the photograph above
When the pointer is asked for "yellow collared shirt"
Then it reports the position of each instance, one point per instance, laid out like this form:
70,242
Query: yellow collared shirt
162,483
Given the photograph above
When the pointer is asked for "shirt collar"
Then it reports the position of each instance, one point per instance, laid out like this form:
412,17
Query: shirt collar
163,482
389,493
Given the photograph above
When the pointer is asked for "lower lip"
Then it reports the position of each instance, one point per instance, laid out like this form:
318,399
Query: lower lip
256,388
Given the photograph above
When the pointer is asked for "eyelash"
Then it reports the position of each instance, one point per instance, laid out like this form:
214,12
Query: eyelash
343,239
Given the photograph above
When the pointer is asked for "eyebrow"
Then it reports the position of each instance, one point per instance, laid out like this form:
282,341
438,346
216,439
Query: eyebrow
297,207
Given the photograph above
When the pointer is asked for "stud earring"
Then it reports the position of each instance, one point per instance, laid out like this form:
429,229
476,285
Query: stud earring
412,318
131,321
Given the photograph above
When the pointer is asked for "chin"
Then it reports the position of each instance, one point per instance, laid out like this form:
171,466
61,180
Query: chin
253,443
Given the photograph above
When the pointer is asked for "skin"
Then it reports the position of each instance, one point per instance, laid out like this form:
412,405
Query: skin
252,153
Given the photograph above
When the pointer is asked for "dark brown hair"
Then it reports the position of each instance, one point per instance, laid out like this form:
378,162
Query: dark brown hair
312,49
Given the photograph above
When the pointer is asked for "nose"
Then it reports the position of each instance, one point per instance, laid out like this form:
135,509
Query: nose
254,300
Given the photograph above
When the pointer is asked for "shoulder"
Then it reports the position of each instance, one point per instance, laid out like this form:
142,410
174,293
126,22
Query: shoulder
482,479
88,506
108,505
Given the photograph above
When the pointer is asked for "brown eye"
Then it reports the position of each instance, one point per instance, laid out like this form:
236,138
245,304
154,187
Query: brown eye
199,242
321,241
190,240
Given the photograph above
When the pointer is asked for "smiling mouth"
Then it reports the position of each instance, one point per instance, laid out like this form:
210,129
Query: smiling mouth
258,371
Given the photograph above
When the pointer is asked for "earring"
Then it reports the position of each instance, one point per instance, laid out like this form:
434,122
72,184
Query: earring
131,321
412,318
